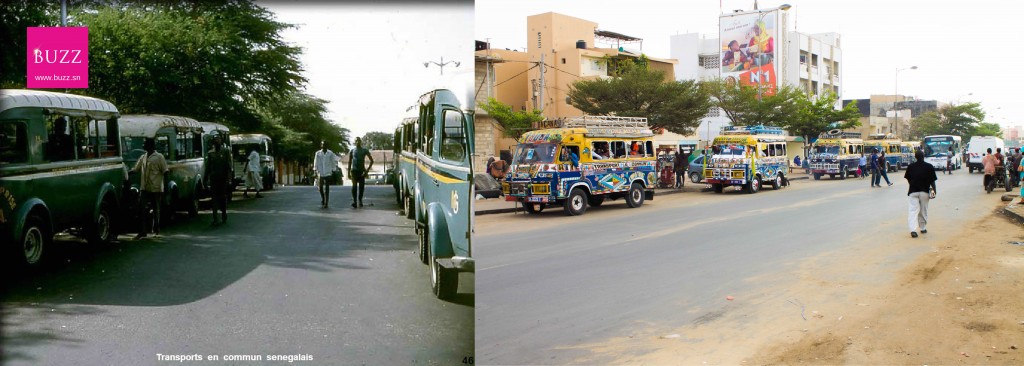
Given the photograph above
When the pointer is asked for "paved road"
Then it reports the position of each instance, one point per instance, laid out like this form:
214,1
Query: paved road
282,277
552,287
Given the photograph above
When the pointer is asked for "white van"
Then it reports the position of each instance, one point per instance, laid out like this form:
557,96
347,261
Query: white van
978,147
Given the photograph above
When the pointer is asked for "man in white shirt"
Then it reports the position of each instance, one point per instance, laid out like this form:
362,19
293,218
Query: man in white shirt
252,174
324,164
152,167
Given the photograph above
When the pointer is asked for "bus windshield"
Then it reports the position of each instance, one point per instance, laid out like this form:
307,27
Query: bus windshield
834,150
541,153
241,151
937,147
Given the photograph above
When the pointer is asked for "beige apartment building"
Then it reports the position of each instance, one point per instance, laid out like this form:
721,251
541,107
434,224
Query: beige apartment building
563,49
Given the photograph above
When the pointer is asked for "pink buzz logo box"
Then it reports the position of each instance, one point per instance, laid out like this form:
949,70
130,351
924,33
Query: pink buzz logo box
58,57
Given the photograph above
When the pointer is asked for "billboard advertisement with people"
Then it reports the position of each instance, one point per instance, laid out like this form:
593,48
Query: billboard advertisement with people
748,44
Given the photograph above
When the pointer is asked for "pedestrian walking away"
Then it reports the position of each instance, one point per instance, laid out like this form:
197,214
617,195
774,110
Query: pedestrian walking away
252,174
152,168
357,171
921,177
325,162
217,176
882,170
875,178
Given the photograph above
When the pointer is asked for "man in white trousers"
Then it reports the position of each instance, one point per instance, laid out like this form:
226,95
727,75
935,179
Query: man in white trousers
921,177
324,163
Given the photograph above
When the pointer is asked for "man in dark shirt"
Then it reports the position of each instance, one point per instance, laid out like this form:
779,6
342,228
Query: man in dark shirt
679,165
217,173
921,177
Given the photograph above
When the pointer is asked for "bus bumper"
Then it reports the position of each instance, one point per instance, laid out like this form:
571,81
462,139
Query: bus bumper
461,264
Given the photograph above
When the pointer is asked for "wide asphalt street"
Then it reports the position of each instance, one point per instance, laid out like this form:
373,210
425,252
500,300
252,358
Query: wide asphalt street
553,288
282,277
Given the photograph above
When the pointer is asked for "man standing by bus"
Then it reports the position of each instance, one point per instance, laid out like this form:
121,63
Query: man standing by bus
324,164
358,171
679,165
152,167
218,175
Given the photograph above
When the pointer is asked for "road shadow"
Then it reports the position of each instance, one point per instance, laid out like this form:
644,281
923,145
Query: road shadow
193,259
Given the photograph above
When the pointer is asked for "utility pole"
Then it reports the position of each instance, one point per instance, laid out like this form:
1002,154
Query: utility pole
541,82
63,13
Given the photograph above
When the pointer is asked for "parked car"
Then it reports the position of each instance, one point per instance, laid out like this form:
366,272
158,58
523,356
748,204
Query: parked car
60,170
486,186
696,169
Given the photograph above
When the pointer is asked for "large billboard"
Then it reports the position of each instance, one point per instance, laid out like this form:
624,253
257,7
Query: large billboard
749,49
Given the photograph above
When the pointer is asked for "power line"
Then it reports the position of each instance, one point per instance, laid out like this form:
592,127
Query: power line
569,73
517,75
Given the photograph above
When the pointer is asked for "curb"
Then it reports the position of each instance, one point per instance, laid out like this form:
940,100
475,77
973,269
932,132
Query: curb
1014,211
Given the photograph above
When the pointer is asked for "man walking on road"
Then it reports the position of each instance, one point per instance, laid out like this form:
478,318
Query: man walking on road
252,174
357,171
882,170
921,177
218,175
152,168
989,164
324,164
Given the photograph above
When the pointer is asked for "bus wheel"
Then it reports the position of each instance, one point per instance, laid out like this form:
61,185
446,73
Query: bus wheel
533,208
410,205
576,203
753,185
424,243
34,239
102,231
718,187
444,281
635,197
817,176
777,183
842,174
595,201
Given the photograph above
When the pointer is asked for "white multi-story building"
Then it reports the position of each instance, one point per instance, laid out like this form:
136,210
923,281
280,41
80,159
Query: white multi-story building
812,62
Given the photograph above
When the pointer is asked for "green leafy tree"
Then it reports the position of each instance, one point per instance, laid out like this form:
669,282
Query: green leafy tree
515,123
925,124
820,115
638,91
987,129
743,106
379,140
965,120
297,123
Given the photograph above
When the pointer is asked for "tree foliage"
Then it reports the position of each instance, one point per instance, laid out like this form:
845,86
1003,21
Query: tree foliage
638,91
820,115
515,123
217,61
742,105
379,140
965,120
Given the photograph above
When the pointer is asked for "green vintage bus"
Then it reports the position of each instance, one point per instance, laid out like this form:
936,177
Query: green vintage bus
180,140
443,189
241,145
406,143
60,170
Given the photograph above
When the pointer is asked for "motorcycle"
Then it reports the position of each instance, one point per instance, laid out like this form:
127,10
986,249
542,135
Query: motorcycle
1000,179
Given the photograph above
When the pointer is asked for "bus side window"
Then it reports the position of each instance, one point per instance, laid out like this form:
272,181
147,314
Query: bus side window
636,149
13,142
599,150
650,148
619,149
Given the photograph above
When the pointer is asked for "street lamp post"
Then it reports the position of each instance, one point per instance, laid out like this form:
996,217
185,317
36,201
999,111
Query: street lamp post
441,64
895,95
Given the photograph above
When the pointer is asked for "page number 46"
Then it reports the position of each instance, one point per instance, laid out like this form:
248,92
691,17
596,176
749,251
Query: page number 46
467,360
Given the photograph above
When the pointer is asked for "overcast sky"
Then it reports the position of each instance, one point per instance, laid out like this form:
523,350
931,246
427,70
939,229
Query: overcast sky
959,47
367,60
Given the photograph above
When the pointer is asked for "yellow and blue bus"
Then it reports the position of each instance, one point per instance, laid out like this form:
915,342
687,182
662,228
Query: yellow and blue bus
614,158
747,156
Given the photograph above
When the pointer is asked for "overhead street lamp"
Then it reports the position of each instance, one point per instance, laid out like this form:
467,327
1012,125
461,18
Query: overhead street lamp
895,95
441,64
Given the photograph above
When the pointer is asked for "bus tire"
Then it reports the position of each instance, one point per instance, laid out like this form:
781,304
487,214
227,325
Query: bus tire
443,281
410,207
718,187
842,174
817,176
424,243
753,186
777,183
533,208
635,197
576,203
102,230
35,238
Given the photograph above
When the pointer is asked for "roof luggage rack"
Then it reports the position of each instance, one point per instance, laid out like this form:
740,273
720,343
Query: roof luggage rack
607,122
753,130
